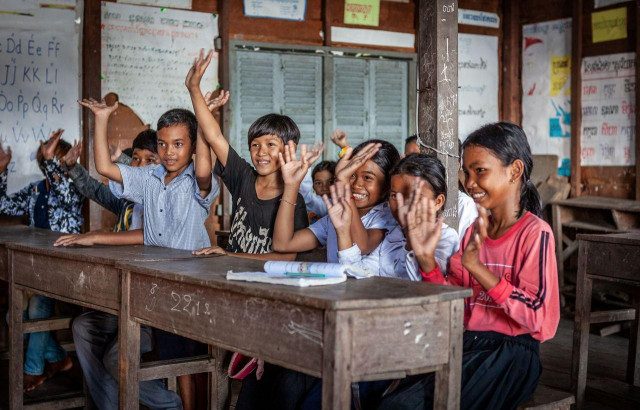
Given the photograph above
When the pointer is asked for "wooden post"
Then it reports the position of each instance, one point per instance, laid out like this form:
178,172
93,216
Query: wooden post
336,377
438,91
91,88
577,26
511,62
637,142
449,379
223,67
326,22
128,349
16,338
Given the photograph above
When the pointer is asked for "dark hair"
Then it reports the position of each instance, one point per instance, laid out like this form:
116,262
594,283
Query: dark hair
324,166
147,139
274,124
413,138
508,142
426,167
386,158
129,152
180,116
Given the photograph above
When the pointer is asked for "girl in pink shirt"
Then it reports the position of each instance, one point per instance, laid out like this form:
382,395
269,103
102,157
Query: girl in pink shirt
508,258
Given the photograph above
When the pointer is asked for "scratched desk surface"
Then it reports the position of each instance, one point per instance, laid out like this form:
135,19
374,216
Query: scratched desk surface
11,233
352,294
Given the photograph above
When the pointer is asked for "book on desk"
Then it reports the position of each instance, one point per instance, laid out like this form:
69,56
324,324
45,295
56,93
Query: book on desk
300,274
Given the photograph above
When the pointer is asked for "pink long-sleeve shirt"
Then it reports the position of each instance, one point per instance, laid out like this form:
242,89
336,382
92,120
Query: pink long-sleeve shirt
526,298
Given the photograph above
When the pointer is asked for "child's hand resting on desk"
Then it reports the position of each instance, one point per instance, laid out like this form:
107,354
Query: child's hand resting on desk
347,165
100,109
5,158
197,70
471,254
422,227
84,239
211,250
293,169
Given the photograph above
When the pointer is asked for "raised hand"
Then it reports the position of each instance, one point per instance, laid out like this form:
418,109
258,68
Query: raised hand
71,157
338,207
423,229
213,103
5,158
197,70
339,138
99,108
293,169
349,163
48,148
212,250
471,254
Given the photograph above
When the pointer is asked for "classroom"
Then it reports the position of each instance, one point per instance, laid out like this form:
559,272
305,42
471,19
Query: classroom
179,181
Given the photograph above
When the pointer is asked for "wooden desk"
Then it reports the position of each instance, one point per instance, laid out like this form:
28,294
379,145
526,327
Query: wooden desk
85,276
367,329
616,259
12,233
593,214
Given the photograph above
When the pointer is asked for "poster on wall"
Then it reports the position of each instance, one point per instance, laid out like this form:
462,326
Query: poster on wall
276,9
362,12
477,81
147,52
546,89
39,80
175,4
608,110
605,3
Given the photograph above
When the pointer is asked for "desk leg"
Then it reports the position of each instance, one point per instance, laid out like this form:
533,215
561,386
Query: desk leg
219,383
580,352
633,361
128,350
449,378
16,354
336,377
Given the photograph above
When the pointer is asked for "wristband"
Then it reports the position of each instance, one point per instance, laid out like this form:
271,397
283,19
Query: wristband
343,151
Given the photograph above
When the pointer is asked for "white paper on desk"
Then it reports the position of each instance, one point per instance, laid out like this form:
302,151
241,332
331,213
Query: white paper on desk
282,279
327,269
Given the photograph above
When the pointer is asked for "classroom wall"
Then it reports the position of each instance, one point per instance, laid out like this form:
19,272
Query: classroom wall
619,182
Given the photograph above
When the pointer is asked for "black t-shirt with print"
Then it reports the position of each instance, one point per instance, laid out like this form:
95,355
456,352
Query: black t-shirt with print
253,218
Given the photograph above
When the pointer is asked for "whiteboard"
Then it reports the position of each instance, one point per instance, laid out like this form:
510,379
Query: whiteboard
147,52
40,80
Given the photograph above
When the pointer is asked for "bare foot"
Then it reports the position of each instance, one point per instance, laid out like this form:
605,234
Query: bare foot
30,382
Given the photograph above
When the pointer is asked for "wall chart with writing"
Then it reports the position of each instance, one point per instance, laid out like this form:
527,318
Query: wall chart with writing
478,82
147,51
608,110
39,80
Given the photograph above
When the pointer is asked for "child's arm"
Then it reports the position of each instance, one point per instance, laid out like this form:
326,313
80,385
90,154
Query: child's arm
59,182
132,237
210,127
204,157
366,239
285,239
101,112
340,213
339,138
15,204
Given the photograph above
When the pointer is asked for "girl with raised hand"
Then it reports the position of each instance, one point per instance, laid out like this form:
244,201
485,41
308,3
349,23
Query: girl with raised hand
366,169
508,258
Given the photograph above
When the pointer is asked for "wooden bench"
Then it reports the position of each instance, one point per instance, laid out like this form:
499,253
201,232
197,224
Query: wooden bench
546,398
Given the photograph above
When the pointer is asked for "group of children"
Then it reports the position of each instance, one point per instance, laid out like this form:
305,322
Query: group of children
373,208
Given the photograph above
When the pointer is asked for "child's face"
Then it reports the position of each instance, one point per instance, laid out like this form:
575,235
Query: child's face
405,184
411,148
174,148
487,178
143,157
264,152
367,184
322,180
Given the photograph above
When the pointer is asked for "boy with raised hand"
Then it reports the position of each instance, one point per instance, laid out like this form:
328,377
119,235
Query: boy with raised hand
256,192
176,197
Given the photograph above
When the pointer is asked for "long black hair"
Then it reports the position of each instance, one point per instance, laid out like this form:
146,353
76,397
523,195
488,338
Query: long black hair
426,167
508,142
386,158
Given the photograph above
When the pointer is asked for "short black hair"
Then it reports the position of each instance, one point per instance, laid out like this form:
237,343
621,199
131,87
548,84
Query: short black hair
129,152
413,138
324,166
147,139
274,124
428,168
386,158
180,116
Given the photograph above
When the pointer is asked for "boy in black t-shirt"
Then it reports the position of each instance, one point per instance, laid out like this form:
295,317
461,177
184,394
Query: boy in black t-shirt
256,192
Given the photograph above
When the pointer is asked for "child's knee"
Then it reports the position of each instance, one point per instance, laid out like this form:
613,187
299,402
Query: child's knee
40,307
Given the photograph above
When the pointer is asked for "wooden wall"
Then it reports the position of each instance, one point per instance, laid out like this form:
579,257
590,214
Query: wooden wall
619,182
